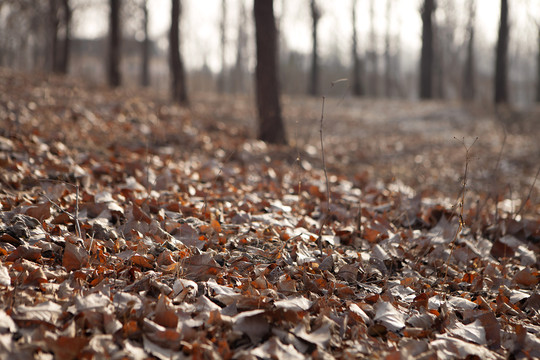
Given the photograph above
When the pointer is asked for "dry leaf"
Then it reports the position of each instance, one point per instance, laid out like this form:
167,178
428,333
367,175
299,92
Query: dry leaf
75,257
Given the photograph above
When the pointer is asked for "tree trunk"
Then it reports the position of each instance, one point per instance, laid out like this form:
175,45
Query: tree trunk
439,62
271,127
64,60
113,69
54,24
357,88
469,85
145,63
426,58
314,74
238,77
373,57
59,18
179,91
387,56
222,29
501,57
538,67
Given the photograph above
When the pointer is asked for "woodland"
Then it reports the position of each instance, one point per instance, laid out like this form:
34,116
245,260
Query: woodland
220,225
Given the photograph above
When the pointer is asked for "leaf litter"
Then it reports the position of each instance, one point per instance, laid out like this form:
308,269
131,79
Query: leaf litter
134,229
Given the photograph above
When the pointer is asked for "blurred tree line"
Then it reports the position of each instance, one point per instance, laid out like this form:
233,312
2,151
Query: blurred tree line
38,35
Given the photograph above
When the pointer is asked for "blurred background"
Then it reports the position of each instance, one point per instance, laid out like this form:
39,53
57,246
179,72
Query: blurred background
378,43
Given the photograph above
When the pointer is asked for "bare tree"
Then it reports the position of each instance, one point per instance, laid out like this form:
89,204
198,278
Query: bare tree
145,48
113,68
538,65
271,128
179,88
54,22
314,74
501,57
372,55
387,55
426,57
222,29
469,84
238,72
64,58
25,34
357,88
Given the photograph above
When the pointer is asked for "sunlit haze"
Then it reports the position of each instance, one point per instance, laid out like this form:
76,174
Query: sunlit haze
201,19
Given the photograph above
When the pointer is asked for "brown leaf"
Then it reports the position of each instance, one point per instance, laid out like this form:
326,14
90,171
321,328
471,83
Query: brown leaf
526,277
10,239
165,258
275,349
75,257
252,323
140,215
501,250
27,252
348,272
371,235
67,348
40,211
36,278
141,261
492,328
164,315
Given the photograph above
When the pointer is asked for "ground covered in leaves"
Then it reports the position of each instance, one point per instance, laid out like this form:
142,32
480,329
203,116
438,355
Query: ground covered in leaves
134,229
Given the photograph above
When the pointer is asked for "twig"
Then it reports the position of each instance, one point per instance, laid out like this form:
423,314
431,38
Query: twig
325,217
528,195
461,204
298,161
77,225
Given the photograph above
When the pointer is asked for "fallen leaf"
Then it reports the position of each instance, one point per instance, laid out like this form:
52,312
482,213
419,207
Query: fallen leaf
389,316
275,349
526,277
294,304
473,332
75,257
253,323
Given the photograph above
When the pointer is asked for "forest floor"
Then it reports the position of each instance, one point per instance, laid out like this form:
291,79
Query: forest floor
132,228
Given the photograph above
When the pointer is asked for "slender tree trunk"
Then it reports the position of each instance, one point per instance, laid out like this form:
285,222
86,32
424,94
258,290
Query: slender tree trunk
240,50
145,63
387,57
373,56
64,60
271,128
439,59
60,19
113,69
179,89
396,63
54,23
222,26
469,85
426,58
314,74
357,88
538,67
501,57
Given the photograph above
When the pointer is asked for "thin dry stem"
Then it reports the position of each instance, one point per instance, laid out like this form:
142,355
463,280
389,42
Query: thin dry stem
461,204
325,217
523,203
